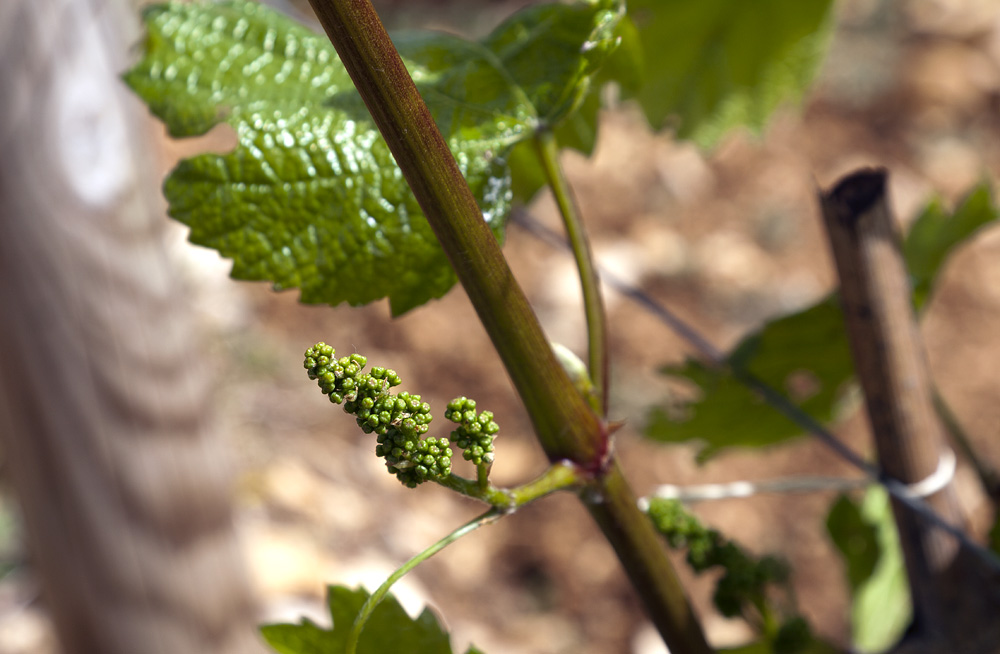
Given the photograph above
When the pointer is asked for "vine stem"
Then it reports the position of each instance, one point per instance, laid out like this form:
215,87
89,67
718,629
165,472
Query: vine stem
566,426
615,509
375,598
547,150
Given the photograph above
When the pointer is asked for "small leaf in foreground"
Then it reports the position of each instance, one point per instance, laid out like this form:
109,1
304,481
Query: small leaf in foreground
389,630
311,197
719,64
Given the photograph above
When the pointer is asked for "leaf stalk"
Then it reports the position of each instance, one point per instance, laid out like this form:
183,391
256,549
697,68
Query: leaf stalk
375,598
547,150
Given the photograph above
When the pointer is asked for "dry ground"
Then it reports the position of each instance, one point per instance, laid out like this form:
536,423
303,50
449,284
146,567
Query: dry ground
725,239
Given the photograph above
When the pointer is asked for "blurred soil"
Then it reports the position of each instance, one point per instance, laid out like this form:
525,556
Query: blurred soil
726,240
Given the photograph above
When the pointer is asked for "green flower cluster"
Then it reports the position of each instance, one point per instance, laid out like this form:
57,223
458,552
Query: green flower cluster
398,420
475,432
745,579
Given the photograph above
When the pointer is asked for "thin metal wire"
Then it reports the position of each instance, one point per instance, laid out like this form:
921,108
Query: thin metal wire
895,488
690,493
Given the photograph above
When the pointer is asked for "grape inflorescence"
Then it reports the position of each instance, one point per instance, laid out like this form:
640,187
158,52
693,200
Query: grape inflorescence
401,420
475,432
745,578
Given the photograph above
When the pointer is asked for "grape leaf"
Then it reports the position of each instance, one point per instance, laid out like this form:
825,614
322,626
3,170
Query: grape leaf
805,354
881,607
389,629
856,540
311,197
936,232
579,130
719,64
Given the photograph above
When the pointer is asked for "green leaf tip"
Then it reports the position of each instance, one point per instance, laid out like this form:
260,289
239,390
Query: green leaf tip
935,234
311,197
399,421
714,65
389,629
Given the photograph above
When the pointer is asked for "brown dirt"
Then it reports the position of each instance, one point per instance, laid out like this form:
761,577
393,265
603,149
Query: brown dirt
726,240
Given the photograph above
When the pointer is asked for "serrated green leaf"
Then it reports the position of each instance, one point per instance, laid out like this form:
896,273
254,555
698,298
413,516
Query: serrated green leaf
881,608
805,354
579,130
542,50
855,539
934,235
304,638
311,197
718,64
389,629
808,350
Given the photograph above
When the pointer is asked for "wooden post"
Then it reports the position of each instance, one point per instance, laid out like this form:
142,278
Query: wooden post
956,598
